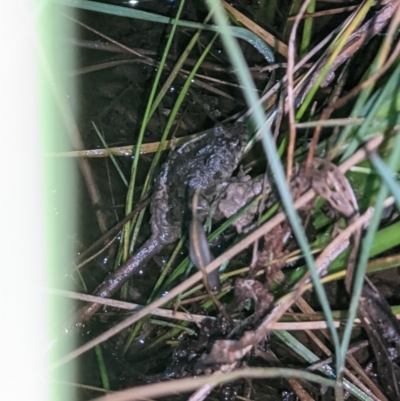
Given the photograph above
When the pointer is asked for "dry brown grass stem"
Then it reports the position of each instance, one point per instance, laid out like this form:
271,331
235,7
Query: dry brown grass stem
184,385
188,317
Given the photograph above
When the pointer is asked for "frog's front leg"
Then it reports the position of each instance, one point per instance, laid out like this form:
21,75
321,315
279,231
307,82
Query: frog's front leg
163,232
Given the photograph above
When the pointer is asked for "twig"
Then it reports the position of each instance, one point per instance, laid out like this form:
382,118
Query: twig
188,317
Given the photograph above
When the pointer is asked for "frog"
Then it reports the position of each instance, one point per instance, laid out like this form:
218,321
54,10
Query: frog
206,163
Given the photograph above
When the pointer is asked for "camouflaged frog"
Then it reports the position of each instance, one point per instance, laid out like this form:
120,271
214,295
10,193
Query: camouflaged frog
206,163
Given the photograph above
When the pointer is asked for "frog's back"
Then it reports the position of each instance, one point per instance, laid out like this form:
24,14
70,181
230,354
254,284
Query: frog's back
203,163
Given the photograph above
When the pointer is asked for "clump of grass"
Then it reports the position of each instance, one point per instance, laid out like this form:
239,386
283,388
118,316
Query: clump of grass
372,104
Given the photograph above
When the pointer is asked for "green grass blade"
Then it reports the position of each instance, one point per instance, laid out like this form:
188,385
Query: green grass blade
307,30
112,157
310,357
102,366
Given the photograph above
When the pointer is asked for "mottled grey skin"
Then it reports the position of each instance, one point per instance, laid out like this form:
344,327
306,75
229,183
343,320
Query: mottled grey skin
239,193
207,162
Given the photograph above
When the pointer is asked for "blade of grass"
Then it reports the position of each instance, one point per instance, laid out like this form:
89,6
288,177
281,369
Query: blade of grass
102,366
386,173
112,157
372,108
167,268
307,30
310,357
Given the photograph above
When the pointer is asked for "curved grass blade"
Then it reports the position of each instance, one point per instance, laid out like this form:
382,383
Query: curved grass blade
112,157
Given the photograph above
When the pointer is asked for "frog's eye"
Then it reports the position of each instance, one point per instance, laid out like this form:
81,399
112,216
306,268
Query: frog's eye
219,130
